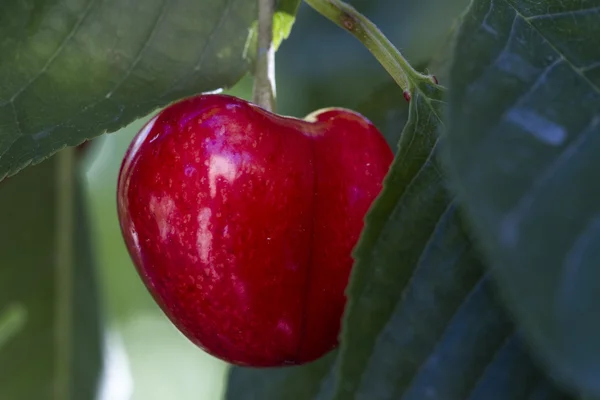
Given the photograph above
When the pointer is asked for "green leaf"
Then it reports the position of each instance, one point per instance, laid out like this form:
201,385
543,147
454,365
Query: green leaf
375,285
283,21
422,319
293,383
48,286
73,70
522,149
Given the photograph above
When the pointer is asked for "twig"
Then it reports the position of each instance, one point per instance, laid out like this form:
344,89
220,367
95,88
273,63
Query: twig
264,72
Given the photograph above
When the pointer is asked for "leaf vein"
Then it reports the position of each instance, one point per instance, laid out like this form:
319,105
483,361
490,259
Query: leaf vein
478,284
540,80
511,220
211,36
144,47
420,265
553,46
560,14
58,50
484,370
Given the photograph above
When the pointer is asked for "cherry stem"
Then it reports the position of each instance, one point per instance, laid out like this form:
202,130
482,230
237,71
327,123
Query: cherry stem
373,39
264,70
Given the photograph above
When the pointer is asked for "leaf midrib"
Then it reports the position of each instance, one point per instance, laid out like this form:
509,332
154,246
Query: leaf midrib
552,44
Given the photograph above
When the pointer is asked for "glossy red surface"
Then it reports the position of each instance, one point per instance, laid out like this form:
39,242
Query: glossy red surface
241,222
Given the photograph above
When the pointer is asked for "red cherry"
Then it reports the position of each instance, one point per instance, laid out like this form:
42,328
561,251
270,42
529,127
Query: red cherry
241,222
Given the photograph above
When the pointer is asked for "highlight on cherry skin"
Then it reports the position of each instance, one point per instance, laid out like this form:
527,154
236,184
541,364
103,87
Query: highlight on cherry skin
241,222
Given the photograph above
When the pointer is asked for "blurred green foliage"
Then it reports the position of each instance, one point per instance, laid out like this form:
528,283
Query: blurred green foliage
50,313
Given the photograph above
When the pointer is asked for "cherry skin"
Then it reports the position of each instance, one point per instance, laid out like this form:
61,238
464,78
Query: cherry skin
241,222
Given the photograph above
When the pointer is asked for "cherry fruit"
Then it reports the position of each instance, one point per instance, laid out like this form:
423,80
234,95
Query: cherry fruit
241,222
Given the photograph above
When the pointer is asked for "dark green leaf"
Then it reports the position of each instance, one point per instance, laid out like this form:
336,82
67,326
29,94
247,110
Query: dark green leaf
523,140
293,383
422,320
386,255
289,7
47,278
73,70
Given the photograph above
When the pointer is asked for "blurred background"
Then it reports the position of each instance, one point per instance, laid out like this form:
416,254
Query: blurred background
320,65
